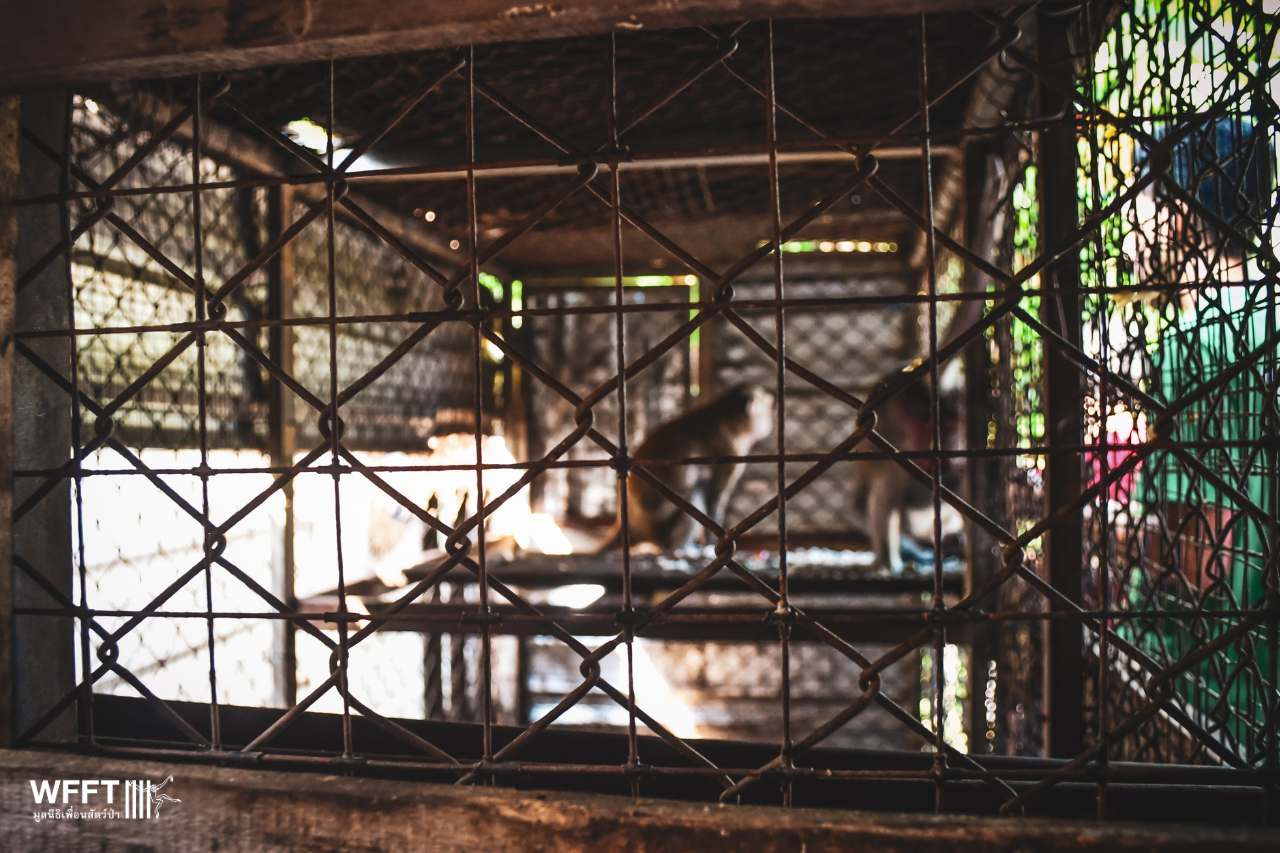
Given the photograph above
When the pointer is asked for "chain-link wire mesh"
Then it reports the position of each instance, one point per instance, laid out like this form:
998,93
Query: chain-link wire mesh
323,429
1188,535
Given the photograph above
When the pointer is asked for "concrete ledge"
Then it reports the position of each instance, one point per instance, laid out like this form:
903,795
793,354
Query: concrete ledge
227,809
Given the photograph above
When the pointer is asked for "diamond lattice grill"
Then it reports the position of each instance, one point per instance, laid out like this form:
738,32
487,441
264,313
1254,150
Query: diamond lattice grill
392,336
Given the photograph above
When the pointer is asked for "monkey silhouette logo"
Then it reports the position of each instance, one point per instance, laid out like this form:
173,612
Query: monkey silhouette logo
159,798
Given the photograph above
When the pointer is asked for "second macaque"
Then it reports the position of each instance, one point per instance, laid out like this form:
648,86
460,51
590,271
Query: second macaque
890,505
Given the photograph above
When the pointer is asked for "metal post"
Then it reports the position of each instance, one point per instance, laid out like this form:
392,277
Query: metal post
1064,548
283,429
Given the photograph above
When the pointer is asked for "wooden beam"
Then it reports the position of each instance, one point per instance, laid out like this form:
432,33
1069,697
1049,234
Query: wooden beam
236,809
709,158
690,624
718,240
656,574
43,652
8,293
67,41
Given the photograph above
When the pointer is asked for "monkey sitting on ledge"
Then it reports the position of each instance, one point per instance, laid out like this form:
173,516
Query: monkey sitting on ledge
728,425
893,508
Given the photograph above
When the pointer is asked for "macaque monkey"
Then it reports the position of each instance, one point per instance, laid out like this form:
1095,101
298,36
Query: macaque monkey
891,506
728,425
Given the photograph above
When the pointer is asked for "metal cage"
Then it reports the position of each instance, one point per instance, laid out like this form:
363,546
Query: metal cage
314,411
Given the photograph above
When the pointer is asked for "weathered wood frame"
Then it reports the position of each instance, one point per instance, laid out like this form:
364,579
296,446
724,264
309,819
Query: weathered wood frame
117,39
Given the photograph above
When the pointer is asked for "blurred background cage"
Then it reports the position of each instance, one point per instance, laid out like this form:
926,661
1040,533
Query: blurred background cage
337,353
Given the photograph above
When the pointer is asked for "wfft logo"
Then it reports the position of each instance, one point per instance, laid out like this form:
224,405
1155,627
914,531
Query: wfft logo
99,799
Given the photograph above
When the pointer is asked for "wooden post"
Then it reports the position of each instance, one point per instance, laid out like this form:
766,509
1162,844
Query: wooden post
432,667
283,426
1064,546
44,665
707,354
8,292
524,700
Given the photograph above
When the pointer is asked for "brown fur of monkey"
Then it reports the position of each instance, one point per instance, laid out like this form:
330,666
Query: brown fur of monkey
727,425
888,501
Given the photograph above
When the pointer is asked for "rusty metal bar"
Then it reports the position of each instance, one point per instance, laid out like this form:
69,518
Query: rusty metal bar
622,461
790,303
321,608
473,242
197,231
935,430
782,613
339,667
516,167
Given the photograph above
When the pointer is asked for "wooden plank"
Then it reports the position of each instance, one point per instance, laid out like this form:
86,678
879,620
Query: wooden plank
67,41
652,573
44,654
685,623
233,809
8,293
1192,793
